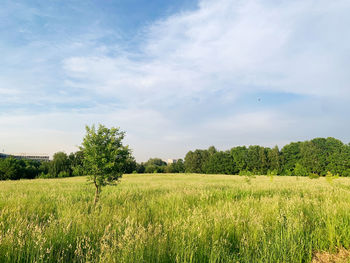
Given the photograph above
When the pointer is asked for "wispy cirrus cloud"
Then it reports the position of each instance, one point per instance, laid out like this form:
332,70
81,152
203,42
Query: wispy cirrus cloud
291,47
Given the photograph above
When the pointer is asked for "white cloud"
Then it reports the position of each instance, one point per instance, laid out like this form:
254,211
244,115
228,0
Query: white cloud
241,44
181,89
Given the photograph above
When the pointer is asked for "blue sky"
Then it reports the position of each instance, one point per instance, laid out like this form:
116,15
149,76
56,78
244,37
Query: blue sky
175,75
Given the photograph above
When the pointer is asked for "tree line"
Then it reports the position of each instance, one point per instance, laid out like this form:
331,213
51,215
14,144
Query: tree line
62,165
316,156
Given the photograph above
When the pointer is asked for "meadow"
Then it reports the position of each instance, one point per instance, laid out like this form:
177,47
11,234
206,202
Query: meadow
174,218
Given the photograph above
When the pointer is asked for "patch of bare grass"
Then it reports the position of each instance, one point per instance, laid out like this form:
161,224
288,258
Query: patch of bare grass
342,256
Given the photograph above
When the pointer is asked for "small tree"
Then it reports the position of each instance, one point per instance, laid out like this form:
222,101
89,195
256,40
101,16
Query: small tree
105,156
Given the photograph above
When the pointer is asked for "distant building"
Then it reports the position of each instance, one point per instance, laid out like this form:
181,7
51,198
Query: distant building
170,161
3,156
34,157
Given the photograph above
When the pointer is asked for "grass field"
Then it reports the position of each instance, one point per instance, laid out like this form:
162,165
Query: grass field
174,218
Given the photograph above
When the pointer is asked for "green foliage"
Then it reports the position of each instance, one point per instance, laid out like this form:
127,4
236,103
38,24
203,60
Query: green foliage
195,162
60,165
290,155
44,176
242,172
44,168
130,165
314,176
176,167
319,156
273,156
76,163
322,154
179,166
14,169
156,162
151,168
219,163
287,173
11,169
339,161
300,170
63,174
297,158
240,158
155,165
140,168
254,160
105,157
272,173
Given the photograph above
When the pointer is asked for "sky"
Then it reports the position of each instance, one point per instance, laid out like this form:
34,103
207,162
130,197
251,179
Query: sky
174,75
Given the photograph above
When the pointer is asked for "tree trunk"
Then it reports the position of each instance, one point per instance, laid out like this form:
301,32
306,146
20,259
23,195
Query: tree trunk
97,194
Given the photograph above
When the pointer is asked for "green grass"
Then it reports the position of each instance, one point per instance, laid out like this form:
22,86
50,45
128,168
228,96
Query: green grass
174,218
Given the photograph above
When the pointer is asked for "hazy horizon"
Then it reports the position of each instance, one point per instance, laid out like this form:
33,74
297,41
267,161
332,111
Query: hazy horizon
174,77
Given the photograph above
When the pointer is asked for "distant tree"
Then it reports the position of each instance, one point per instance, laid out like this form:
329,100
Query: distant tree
254,159
12,169
212,150
176,167
60,165
155,165
316,156
300,170
105,156
76,163
290,156
339,161
44,168
195,161
130,165
151,168
179,166
264,165
140,168
191,163
156,162
274,159
31,169
220,163
311,156
240,158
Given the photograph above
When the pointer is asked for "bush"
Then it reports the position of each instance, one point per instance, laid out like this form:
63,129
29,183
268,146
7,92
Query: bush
314,176
272,173
244,172
46,176
63,174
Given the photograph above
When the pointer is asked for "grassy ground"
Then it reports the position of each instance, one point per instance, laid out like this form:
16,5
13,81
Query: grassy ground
174,218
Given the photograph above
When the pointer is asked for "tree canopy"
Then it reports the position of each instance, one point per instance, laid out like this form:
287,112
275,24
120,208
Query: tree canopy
317,156
105,156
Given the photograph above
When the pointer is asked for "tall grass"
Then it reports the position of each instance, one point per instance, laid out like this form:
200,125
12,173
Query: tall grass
173,218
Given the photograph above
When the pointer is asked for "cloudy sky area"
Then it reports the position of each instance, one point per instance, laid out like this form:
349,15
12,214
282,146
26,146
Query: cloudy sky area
175,75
